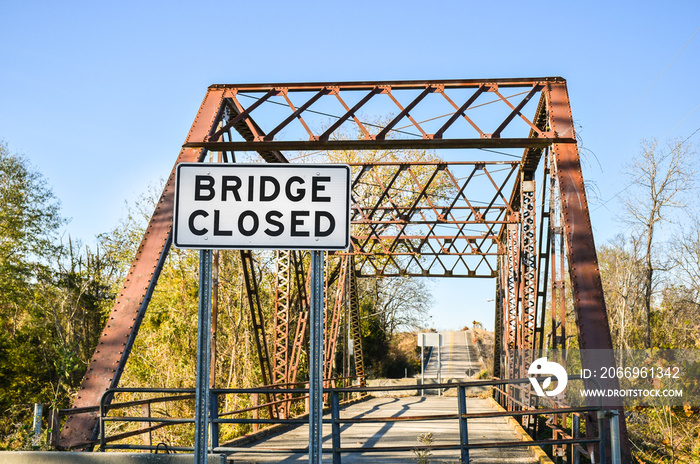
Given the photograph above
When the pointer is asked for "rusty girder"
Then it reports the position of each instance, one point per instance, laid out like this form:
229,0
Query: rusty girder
285,107
528,265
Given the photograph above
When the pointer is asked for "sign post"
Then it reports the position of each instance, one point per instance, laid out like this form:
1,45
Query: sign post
316,358
428,339
274,207
201,417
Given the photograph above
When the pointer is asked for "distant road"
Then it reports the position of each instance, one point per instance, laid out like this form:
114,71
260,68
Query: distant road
458,355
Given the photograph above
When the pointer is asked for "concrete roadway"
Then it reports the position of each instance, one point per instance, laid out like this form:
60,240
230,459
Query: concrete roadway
458,355
401,433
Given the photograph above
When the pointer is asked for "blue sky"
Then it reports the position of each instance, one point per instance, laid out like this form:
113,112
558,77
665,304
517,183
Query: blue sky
100,96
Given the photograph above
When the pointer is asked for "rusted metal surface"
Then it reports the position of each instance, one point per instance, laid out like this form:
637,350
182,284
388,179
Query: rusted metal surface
545,238
528,265
301,312
528,286
592,319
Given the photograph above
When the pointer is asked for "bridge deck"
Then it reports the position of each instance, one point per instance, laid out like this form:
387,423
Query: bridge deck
400,434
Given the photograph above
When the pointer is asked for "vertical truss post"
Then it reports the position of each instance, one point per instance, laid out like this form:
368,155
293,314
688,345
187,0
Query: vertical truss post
498,343
510,308
333,320
302,309
280,331
257,320
355,325
558,282
528,305
281,321
214,315
544,256
529,267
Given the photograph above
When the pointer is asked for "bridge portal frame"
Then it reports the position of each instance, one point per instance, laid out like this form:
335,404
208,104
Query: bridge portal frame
224,124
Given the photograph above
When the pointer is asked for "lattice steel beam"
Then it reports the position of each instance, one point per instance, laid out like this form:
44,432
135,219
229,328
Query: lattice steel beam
355,325
283,301
300,105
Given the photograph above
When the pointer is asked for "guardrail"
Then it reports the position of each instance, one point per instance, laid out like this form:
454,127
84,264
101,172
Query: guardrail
563,435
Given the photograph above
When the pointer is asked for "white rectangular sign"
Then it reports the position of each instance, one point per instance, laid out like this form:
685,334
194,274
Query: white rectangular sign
430,339
254,206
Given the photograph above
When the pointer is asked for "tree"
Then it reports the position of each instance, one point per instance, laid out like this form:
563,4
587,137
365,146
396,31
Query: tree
660,178
401,303
29,220
53,299
622,276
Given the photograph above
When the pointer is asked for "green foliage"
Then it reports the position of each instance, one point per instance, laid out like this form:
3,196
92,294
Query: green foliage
53,300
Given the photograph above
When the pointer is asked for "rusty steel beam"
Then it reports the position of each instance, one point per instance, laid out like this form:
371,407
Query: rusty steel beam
113,349
528,287
489,133
545,234
257,319
587,287
380,144
528,264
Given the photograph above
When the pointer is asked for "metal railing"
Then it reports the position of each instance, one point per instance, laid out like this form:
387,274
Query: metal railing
580,444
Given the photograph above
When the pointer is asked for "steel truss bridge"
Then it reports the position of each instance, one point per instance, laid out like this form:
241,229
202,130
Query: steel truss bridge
504,200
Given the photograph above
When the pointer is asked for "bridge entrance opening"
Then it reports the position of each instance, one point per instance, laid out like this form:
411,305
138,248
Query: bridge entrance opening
451,179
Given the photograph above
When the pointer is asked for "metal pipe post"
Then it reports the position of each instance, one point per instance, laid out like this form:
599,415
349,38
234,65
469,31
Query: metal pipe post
36,425
422,364
316,358
201,416
576,432
335,434
615,449
439,365
601,432
463,431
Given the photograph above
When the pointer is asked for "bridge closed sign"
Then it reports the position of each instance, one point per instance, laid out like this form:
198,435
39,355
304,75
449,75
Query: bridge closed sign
259,206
